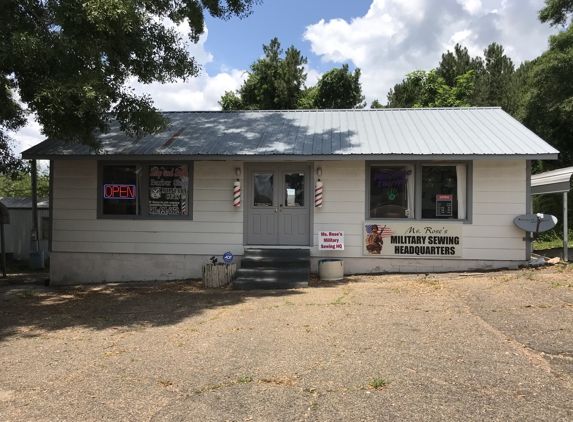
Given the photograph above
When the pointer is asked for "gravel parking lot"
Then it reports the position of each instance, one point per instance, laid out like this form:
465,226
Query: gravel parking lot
437,347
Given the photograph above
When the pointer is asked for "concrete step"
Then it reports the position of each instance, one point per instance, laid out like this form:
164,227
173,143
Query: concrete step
271,278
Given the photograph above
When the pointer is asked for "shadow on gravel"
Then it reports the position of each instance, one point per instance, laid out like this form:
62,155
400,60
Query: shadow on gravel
123,306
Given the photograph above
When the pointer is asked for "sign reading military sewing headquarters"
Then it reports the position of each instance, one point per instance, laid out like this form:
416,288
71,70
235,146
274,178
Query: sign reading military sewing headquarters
413,240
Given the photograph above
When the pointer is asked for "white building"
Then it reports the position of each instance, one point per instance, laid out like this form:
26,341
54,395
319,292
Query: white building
409,190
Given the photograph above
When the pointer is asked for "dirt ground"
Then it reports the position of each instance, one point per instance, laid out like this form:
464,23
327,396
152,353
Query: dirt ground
441,347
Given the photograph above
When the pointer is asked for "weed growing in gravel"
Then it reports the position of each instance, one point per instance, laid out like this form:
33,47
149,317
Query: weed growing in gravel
431,283
339,300
555,285
245,380
378,383
528,275
287,303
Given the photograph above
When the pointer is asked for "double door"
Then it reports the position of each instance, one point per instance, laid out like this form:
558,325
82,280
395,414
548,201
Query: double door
278,204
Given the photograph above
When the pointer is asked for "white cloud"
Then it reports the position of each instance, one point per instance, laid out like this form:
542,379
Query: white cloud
472,6
397,37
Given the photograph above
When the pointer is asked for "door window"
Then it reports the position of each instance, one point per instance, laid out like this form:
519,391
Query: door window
294,190
264,188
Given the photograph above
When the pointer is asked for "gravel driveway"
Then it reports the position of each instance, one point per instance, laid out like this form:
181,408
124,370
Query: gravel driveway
442,347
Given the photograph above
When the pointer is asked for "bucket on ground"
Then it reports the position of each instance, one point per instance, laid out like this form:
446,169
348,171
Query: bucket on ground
331,269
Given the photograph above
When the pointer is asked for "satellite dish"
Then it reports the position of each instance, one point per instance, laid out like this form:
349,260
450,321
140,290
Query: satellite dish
535,223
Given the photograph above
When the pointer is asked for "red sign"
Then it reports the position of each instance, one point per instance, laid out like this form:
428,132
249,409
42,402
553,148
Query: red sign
444,197
118,191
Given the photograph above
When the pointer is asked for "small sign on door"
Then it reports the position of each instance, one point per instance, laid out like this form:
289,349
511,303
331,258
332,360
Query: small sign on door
331,240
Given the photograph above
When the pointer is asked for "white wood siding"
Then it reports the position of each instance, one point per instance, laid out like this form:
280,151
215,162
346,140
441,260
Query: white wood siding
217,226
499,194
344,194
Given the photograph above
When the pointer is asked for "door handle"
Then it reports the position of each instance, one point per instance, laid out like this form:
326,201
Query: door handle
276,210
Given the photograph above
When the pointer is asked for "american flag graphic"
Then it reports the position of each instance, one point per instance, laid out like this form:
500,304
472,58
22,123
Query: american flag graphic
383,231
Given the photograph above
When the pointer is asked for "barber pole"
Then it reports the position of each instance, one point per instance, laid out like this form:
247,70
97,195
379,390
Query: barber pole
237,194
318,195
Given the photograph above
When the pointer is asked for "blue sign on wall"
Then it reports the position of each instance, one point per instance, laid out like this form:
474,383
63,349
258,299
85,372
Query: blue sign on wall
227,257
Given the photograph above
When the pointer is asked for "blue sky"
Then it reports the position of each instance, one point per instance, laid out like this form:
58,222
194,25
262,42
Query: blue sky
238,42
386,39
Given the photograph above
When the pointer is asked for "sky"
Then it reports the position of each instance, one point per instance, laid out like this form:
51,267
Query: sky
386,39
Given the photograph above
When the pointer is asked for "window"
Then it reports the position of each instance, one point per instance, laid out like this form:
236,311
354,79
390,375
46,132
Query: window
391,191
417,191
137,190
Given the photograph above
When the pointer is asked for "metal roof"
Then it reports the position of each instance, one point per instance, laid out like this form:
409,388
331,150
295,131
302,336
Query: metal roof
323,134
23,202
555,181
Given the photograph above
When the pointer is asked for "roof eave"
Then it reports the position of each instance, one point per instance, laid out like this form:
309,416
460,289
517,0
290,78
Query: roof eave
292,157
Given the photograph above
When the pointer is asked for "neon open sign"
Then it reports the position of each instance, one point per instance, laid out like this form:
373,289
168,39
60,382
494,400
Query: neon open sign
118,191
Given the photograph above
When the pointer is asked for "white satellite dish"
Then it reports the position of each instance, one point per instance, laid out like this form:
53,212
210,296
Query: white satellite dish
536,223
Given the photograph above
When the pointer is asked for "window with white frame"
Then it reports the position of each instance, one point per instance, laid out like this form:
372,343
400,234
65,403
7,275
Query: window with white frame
145,190
417,191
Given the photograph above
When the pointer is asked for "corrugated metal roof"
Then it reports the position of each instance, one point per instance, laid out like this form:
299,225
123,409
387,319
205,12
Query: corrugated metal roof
555,181
23,202
398,133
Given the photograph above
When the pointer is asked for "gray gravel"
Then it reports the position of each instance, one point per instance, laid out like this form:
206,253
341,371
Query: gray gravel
448,347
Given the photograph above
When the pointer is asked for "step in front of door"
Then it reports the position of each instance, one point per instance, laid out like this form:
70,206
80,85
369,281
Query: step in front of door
271,278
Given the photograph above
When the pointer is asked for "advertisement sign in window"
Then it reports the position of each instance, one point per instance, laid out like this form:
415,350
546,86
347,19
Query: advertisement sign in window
168,190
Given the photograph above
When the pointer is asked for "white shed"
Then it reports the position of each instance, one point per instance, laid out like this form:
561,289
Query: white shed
386,190
21,224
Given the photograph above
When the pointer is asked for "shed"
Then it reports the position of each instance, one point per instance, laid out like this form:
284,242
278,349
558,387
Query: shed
21,223
386,190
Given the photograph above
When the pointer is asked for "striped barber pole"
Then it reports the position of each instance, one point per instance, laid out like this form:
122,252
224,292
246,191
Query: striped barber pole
318,195
237,194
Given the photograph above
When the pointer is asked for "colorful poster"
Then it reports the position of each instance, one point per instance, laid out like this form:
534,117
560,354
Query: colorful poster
168,189
413,240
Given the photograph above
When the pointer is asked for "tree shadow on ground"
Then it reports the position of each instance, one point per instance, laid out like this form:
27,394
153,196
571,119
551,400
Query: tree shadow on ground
121,306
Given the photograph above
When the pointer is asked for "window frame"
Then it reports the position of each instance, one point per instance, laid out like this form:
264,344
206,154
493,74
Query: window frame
417,212
144,189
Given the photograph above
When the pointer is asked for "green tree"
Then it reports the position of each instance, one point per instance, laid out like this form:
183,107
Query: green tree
431,90
405,94
376,104
557,12
456,63
339,89
69,62
548,103
494,80
21,184
275,81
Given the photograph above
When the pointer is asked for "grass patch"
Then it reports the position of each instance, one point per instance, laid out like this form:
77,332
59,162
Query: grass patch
378,383
244,380
431,283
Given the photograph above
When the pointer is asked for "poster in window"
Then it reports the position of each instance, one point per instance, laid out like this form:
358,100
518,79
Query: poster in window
168,190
